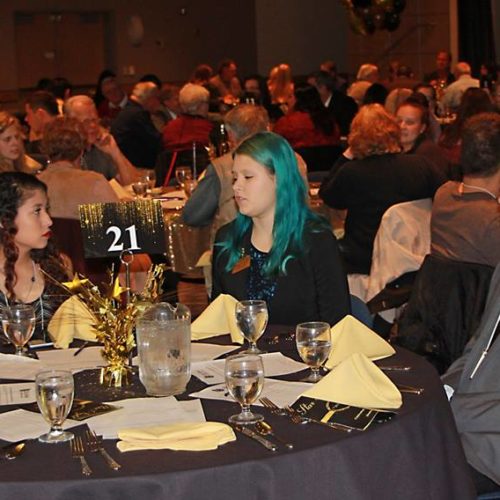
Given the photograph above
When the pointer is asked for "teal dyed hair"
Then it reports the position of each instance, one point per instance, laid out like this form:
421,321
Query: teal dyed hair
292,213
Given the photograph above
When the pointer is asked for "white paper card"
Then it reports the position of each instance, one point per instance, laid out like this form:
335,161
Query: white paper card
17,394
22,424
145,412
19,367
65,359
275,364
280,392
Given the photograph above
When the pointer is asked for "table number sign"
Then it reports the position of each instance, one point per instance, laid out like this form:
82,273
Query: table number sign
110,228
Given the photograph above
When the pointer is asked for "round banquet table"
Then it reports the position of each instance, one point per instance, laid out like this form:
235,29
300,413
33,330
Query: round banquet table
416,455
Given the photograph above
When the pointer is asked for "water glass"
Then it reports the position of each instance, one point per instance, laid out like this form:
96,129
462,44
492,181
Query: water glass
54,394
251,318
140,189
244,380
18,323
149,178
182,174
314,344
189,186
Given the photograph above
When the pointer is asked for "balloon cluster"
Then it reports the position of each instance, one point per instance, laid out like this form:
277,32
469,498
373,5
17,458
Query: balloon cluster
366,16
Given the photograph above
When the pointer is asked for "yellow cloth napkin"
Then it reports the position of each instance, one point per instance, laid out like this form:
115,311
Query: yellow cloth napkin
349,336
72,320
217,319
357,381
201,436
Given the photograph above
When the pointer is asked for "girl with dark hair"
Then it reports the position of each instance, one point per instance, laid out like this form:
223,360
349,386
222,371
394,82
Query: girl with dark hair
309,123
277,249
414,122
26,251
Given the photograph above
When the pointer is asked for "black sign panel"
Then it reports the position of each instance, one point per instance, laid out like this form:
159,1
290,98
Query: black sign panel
110,228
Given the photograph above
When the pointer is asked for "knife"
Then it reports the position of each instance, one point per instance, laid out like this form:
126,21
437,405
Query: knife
257,437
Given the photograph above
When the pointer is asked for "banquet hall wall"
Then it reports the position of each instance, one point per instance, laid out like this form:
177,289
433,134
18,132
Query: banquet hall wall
256,33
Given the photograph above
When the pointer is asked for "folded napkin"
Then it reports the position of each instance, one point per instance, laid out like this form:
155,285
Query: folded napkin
184,436
219,318
71,321
349,336
120,191
357,381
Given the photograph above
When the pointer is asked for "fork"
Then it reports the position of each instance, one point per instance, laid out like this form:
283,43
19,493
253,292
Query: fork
272,407
95,445
78,451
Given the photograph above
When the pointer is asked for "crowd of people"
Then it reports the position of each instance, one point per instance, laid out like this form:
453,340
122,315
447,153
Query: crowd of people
375,143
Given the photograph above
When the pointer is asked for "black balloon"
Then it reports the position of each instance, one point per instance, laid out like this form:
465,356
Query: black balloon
392,21
361,4
399,6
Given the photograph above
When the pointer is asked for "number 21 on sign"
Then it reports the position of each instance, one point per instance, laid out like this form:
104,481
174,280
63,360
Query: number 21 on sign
118,246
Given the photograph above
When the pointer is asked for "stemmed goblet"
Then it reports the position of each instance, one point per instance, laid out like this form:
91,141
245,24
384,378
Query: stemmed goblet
251,318
18,323
182,174
314,344
244,380
54,395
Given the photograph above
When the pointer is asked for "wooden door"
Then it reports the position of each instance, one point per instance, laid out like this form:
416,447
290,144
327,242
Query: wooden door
66,44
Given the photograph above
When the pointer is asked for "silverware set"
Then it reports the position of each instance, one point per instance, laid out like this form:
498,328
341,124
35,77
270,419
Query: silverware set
93,444
296,418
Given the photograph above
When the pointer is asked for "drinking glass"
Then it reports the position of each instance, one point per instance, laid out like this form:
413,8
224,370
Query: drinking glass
18,323
182,174
140,189
149,178
251,318
54,395
314,345
244,380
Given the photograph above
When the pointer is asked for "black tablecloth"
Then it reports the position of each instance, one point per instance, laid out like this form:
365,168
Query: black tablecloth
416,455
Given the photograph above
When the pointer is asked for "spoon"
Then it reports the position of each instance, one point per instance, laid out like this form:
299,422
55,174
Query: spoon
12,450
265,429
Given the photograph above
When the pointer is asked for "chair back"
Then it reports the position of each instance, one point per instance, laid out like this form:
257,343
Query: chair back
68,236
445,308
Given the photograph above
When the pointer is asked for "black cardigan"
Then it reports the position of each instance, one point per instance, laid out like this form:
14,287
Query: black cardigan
314,288
367,188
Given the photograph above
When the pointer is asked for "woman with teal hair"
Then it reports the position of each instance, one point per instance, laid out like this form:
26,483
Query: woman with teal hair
277,249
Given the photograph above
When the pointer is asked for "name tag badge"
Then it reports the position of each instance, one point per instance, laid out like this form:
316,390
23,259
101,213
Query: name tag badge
242,264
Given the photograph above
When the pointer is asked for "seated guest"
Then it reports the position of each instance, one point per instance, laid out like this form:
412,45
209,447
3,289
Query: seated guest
133,128
452,96
473,382
343,107
26,252
68,185
115,99
474,101
12,157
169,108
377,178
255,87
192,125
330,67
413,119
308,123
101,153
442,75
280,85
41,109
429,92
465,223
212,202
226,82
395,98
366,76
277,249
